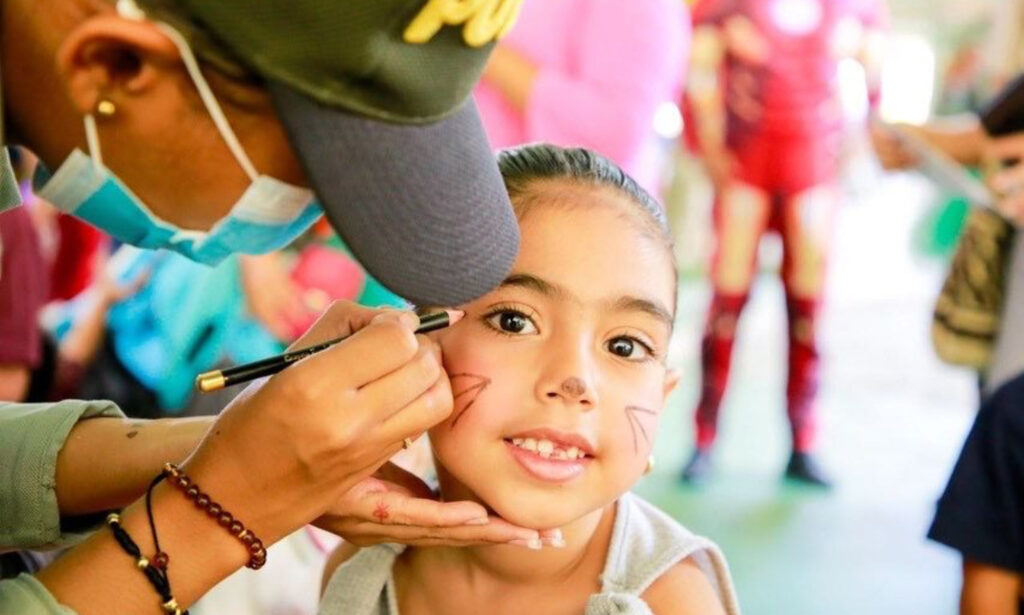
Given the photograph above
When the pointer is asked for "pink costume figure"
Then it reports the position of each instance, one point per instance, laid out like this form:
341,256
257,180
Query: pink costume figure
769,123
588,73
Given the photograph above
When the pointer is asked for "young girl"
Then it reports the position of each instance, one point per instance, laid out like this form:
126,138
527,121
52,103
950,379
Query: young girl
559,378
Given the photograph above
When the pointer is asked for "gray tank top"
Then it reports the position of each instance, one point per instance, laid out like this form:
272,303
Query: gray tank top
645,544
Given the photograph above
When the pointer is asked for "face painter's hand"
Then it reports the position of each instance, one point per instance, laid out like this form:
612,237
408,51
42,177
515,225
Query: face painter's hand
290,447
397,506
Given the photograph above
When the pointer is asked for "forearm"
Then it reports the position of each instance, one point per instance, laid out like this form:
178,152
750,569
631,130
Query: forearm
961,137
989,590
99,577
107,463
705,91
709,117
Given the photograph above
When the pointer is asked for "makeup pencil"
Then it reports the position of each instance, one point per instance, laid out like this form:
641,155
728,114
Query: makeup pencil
218,379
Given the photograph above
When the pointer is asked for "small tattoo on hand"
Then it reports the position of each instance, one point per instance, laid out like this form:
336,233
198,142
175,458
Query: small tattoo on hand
381,512
132,433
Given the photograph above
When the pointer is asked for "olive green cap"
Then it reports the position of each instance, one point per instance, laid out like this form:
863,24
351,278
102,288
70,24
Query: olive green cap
375,97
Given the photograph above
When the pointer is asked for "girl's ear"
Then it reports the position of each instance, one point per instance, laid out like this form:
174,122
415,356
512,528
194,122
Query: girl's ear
672,377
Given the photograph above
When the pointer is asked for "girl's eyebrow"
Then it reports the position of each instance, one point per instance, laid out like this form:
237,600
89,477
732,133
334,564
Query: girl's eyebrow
532,282
623,304
647,306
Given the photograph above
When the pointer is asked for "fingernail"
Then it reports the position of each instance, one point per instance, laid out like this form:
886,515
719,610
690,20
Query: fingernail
554,541
483,521
534,544
410,320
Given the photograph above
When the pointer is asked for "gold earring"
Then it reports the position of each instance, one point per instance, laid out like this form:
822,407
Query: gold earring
105,108
650,465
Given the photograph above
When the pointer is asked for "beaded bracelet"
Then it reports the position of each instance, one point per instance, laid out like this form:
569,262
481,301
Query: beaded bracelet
155,572
257,554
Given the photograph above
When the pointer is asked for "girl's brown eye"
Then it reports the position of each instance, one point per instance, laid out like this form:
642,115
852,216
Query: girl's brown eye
621,347
513,322
629,348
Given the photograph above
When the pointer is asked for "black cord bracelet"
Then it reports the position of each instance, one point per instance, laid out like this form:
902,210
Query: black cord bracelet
157,577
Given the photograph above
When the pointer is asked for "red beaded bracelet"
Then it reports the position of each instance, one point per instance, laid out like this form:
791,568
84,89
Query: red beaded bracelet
257,554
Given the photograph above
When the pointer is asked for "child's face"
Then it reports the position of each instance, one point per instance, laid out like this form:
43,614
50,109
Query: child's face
558,375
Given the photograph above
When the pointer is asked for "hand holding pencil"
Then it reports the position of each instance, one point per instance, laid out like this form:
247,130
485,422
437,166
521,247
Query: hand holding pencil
316,433
218,379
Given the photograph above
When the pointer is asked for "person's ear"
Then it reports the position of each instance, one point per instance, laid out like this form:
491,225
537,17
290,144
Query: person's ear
672,378
108,57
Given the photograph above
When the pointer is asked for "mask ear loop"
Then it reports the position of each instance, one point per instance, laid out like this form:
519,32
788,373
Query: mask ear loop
209,100
130,10
92,140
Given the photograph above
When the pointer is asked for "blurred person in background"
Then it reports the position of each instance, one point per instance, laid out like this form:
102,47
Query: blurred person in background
981,512
768,124
34,366
188,319
588,73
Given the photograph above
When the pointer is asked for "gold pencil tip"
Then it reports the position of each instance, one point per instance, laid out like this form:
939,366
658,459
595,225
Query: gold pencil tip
210,381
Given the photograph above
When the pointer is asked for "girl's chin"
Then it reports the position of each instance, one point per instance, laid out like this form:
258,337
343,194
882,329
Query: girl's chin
535,512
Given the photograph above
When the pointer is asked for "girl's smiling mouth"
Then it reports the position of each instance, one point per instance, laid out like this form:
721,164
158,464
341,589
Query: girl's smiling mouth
550,455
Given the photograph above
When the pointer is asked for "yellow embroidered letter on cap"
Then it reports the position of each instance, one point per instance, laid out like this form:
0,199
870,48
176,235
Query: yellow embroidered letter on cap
485,20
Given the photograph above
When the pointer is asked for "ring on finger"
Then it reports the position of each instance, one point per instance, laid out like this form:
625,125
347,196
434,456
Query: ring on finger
406,443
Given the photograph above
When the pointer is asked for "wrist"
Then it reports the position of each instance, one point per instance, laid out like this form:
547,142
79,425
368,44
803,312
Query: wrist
99,577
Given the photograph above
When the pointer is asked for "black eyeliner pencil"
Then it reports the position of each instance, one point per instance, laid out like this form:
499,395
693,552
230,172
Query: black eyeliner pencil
218,379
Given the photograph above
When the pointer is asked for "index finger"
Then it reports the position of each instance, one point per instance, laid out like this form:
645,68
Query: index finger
381,347
396,508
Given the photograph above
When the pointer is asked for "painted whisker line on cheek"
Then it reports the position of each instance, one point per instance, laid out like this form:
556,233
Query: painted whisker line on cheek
472,391
635,424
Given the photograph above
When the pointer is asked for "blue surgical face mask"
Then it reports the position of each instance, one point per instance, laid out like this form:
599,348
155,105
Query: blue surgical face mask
268,216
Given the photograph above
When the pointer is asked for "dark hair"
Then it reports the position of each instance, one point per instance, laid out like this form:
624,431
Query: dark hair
521,167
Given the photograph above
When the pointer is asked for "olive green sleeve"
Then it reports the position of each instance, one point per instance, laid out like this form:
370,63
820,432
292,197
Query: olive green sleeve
31,436
25,594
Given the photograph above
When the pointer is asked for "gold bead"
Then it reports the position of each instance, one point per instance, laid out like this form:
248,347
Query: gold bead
142,563
106,108
113,518
171,606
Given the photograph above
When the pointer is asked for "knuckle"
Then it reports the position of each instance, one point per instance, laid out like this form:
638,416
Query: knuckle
427,368
438,400
339,307
343,435
398,339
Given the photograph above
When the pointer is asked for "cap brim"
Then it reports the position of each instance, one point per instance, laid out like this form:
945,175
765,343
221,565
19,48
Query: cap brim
422,207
